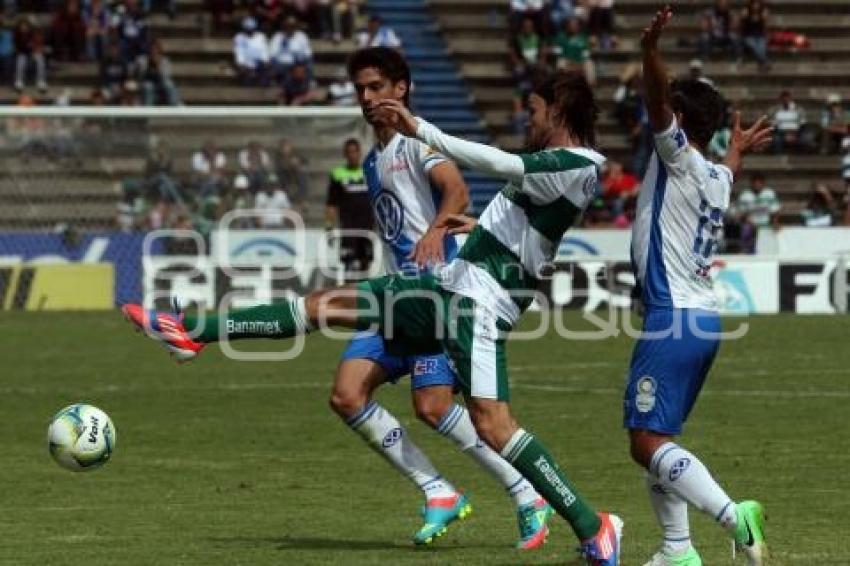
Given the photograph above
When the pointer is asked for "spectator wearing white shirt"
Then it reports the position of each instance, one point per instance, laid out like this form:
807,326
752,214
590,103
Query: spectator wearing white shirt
378,35
208,169
290,46
270,204
787,118
251,53
255,163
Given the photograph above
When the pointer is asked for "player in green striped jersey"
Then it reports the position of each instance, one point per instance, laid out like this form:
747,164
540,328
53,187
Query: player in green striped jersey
468,307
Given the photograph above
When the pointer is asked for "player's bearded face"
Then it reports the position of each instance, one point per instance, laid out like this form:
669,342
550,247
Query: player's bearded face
540,123
372,87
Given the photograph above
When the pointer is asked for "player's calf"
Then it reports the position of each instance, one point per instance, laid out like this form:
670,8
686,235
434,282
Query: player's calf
493,422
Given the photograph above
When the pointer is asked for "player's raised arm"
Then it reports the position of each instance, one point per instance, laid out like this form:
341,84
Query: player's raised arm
655,79
480,157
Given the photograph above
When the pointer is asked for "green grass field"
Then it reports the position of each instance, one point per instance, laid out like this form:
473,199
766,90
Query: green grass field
233,463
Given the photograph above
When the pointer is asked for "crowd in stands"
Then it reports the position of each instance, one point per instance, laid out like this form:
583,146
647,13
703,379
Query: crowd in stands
133,67
261,182
272,47
566,34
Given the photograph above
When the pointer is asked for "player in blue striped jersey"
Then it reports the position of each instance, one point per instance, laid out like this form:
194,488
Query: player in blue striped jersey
679,217
413,189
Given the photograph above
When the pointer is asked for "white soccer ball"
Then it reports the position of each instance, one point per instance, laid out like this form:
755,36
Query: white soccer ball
81,437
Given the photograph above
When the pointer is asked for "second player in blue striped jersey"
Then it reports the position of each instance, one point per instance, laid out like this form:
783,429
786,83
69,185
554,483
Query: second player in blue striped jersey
404,199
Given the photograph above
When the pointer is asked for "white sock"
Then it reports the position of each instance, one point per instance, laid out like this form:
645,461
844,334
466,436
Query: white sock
672,514
386,435
682,473
457,425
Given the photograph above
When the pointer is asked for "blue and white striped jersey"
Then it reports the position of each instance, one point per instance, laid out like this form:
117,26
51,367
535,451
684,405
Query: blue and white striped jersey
679,217
403,199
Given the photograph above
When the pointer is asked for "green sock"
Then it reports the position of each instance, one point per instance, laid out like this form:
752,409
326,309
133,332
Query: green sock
535,463
279,320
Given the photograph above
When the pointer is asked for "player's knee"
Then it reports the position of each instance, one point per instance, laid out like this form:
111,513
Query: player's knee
643,445
346,402
431,404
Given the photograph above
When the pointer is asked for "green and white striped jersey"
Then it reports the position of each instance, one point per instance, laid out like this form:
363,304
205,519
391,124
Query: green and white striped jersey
519,232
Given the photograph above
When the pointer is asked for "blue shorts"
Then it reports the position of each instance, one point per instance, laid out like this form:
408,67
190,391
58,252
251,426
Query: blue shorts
425,371
669,365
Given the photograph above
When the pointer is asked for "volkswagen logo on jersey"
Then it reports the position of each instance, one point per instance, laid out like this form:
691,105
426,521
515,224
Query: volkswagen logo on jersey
389,215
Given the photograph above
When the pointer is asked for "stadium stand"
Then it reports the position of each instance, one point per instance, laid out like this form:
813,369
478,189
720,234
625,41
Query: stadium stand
477,30
459,54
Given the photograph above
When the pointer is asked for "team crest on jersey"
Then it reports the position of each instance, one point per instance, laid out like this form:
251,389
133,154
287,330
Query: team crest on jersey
389,215
645,394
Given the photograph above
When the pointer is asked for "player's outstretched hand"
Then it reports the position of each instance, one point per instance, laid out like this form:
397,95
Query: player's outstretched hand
396,114
459,224
649,38
429,249
756,138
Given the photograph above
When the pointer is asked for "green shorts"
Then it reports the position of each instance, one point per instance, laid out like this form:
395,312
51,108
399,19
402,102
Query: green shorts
416,316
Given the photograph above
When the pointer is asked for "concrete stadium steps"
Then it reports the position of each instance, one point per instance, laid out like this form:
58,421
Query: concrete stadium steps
646,7
492,25
476,35
88,213
484,49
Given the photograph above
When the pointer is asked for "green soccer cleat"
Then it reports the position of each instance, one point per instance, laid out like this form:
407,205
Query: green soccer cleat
749,533
689,558
438,513
532,520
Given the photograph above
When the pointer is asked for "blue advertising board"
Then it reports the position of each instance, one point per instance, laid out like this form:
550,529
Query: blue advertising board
122,250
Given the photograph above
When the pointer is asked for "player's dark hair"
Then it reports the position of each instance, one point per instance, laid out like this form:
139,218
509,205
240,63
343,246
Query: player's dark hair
701,107
351,141
389,62
575,105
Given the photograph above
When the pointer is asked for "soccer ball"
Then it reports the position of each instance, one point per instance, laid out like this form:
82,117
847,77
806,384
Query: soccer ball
81,437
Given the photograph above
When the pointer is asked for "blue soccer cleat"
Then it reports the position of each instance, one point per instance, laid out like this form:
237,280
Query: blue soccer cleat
604,548
438,513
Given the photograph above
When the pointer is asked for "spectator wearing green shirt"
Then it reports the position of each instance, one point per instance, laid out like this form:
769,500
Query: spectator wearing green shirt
819,210
572,49
527,47
760,203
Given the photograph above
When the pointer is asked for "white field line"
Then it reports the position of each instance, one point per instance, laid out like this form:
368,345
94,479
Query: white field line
521,385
